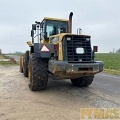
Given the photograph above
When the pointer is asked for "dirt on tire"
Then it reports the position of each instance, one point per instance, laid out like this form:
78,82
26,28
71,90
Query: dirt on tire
25,66
38,73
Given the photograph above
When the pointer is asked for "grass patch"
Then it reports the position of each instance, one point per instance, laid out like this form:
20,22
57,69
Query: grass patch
111,62
8,63
114,72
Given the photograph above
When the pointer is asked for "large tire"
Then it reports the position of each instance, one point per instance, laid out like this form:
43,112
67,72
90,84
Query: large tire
83,81
21,67
38,73
25,64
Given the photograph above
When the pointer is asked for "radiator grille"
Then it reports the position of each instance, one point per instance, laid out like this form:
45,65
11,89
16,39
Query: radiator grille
78,42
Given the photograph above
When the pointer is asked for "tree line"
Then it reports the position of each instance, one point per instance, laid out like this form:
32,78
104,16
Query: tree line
118,51
115,51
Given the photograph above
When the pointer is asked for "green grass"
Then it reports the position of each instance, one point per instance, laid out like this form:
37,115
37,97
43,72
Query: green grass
111,62
8,63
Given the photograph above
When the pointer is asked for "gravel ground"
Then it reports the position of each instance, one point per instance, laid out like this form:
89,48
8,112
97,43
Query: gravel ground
60,101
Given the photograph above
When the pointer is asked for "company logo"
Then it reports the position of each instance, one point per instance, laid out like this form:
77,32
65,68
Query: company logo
99,114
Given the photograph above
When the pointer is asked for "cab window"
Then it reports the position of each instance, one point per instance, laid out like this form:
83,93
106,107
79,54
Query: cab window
56,27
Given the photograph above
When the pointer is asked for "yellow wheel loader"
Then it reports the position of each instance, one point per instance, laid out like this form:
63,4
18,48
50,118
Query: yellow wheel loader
60,53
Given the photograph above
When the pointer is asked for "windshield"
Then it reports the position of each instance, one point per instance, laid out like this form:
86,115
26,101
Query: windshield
55,27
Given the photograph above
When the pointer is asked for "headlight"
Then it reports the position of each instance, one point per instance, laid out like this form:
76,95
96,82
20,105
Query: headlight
68,38
80,50
87,39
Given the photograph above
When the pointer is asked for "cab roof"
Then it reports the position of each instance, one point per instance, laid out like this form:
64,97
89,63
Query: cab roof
57,19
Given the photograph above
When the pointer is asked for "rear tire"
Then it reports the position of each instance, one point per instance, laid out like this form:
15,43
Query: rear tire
83,81
25,64
21,67
38,73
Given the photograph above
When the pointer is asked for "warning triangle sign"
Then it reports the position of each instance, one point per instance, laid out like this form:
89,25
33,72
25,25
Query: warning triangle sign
44,49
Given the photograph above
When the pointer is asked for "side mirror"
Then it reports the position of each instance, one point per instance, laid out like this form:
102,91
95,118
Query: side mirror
32,33
95,48
33,26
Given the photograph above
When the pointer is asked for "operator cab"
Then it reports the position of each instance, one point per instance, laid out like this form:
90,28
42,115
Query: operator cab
53,26
49,27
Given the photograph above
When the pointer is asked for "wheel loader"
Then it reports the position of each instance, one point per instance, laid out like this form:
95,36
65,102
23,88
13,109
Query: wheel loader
59,53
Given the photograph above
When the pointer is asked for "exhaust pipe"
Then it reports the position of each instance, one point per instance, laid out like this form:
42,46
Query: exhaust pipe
70,22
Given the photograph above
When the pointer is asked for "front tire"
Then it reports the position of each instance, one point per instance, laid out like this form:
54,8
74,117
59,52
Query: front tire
38,73
83,81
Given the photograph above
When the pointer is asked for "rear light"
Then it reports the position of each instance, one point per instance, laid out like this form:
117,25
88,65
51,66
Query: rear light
56,46
95,48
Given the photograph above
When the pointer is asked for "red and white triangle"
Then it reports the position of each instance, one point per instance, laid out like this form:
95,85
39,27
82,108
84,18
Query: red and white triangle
44,49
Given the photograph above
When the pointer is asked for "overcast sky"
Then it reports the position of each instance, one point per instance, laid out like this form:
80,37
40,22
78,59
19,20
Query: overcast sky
98,18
